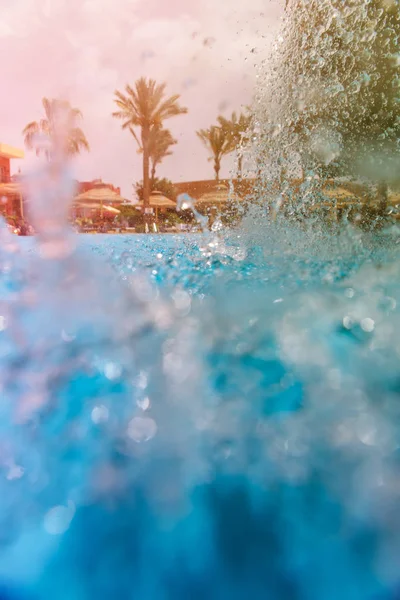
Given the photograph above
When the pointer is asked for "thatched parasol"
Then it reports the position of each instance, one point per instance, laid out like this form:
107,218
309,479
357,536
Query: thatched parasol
217,197
340,193
100,196
97,205
394,197
158,200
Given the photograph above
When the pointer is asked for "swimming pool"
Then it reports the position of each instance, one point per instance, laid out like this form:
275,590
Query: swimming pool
201,416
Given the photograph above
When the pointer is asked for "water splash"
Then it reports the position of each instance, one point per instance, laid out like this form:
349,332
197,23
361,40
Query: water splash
202,416
163,397
185,202
328,103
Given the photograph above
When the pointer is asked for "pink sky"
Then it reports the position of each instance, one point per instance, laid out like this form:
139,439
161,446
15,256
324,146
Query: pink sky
206,50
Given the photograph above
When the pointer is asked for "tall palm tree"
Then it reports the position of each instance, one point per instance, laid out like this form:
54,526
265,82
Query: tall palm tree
47,128
238,132
145,106
218,143
160,141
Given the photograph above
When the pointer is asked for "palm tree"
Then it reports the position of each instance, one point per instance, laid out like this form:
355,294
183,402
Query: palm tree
218,143
160,141
145,106
237,130
48,127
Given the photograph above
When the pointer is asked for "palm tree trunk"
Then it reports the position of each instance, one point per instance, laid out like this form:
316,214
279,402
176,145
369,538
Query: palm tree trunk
383,197
217,167
146,177
146,166
153,174
21,205
240,167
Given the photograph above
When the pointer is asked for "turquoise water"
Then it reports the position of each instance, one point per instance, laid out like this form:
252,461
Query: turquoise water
207,416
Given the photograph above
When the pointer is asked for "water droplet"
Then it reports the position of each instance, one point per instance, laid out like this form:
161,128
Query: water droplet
366,430
56,249
15,472
100,414
142,429
142,380
143,403
112,371
388,303
182,300
67,337
58,519
368,325
348,322
127,259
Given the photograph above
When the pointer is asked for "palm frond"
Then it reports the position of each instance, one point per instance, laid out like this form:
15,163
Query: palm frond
216,140
33,126
132,131
48,126
30,132
144,105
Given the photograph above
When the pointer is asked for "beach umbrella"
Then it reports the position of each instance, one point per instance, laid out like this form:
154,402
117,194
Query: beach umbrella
394,197
340,193
221,195
100,195
158,200
97,205
342,197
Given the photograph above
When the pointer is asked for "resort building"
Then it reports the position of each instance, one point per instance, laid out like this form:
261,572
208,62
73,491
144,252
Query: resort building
7,153
10,190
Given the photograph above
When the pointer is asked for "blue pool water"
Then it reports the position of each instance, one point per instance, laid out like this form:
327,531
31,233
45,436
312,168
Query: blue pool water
206,416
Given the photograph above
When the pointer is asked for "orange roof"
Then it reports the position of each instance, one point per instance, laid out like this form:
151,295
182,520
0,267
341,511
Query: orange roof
10,152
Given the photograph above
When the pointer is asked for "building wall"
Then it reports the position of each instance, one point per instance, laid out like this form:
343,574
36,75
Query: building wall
4,169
